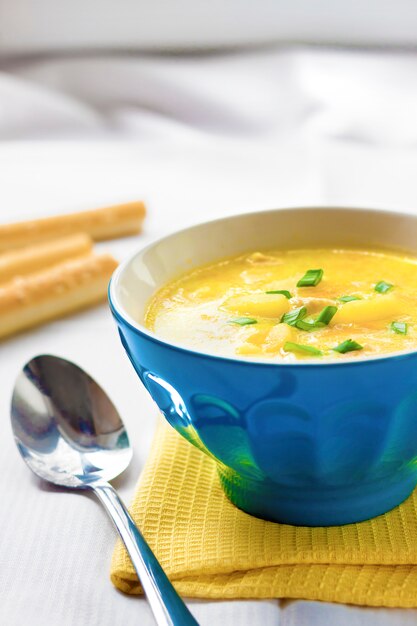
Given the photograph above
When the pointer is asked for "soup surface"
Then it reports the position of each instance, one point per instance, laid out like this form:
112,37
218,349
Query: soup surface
293,305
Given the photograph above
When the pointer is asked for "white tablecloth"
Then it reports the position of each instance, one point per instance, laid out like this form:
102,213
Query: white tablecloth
197,138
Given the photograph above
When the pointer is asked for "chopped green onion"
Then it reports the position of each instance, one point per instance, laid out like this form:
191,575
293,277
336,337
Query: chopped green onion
292,317
311,278
349,298
309,326
297,347
348,346
243,321
322,320
399,327
326,314
383,287
283,292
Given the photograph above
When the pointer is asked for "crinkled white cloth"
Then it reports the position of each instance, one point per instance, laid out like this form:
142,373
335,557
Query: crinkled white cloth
197,137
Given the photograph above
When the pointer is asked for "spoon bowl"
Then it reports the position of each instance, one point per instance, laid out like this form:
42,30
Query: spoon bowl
69,433
65,426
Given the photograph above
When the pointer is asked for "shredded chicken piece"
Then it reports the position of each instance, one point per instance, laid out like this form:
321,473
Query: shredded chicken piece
260,257
313,304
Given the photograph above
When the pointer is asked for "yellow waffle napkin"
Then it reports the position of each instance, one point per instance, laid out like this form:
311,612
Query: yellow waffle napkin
211,549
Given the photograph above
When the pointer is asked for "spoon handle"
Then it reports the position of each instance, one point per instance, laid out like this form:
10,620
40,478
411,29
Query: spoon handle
167,606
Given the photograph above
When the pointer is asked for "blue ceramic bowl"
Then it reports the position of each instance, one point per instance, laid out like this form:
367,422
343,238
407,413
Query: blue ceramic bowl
311,443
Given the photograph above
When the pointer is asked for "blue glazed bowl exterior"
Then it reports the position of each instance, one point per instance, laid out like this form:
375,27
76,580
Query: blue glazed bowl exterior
301,444
314,443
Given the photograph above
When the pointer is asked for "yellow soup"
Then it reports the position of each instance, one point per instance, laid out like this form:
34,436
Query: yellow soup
293,305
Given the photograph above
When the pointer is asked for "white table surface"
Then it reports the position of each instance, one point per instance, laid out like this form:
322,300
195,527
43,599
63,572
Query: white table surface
197,138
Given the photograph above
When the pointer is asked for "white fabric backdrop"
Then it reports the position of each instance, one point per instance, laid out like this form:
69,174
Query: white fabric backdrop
197,137
27,26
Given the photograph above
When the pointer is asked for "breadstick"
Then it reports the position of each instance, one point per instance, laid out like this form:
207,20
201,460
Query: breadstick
107,223
53,293
34,258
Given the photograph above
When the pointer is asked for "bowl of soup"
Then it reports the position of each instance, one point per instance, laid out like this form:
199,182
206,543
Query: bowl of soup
283,344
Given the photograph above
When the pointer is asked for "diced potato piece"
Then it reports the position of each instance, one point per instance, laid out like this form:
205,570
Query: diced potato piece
211,290
259,336
248,348
277,336
283,283
258,304
362,311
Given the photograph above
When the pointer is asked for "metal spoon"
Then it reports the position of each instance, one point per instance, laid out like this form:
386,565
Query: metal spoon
70,434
